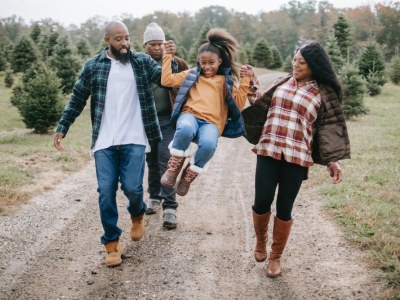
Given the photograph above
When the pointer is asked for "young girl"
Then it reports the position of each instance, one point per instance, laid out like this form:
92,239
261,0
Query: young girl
208,105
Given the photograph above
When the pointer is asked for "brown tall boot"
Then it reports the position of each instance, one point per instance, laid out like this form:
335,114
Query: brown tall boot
188,176
260,223
280,236
174,167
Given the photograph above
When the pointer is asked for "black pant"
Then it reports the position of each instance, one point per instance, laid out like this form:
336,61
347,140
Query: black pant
271,173
157,161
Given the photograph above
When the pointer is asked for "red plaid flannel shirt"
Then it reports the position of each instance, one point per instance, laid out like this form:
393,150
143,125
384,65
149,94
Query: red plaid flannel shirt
288,130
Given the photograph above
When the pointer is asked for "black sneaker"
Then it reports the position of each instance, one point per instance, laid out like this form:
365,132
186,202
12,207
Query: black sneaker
152,206
169,218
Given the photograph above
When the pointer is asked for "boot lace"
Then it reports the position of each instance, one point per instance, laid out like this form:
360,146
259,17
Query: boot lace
174,163
190,175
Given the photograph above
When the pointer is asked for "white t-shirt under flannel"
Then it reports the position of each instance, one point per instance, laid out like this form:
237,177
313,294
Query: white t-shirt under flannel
288,130
121,122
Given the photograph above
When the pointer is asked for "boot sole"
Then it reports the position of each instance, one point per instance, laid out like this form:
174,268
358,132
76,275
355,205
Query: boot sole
114,264
169,226
151,211
262,260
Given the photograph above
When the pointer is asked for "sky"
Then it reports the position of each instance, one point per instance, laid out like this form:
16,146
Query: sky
76,12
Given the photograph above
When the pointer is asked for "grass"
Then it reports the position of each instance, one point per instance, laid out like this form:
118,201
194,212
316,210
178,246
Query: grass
367,202
27,158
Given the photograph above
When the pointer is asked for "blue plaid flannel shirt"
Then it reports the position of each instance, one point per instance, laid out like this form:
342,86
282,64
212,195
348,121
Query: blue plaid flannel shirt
92,82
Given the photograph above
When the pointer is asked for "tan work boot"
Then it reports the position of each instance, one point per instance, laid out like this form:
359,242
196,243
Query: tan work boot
115,250
137,228
260,223
280,236
174,167
188,176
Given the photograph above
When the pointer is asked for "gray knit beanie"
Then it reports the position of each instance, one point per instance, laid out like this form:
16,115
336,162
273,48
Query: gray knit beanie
153,32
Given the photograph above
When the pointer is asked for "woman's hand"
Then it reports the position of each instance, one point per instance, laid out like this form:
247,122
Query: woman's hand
335,172
246,70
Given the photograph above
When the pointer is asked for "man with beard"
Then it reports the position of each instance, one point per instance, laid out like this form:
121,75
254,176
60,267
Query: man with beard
124,124
157,158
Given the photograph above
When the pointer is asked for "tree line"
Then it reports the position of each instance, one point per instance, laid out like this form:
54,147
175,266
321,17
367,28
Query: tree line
363,43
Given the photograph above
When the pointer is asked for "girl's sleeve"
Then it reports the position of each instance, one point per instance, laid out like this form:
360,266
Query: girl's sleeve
240,93
167,77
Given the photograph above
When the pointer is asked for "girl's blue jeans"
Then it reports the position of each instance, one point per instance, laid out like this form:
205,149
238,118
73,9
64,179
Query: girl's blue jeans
125,164
188,129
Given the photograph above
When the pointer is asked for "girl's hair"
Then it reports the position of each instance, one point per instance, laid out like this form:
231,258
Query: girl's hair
224,45
321,66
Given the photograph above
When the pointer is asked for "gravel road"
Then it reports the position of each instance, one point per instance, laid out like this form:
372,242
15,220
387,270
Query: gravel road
50,249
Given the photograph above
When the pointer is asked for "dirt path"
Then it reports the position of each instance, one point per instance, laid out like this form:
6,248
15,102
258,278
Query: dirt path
50,248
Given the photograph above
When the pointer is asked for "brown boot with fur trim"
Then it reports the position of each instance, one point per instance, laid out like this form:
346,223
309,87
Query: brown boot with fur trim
115,250
189,174
174,167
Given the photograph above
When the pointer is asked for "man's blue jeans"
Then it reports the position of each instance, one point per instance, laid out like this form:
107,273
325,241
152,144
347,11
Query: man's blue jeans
125,164
188,129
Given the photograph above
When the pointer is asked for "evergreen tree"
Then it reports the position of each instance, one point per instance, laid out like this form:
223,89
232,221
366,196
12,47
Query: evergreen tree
24,55
371,59
41,102
102,45
180,51
35,33
6,50
341,31
333,50
242,57
65,64
353,93
17,96
287,64
83,48
371,66
3,63
8,78
249,53
202,39
394,69
43,47
277,60
262,56
373,84
52,43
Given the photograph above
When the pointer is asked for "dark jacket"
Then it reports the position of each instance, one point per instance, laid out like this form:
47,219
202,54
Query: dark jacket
330,138
234,126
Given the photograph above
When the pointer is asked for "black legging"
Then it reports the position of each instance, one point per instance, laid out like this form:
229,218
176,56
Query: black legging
269,174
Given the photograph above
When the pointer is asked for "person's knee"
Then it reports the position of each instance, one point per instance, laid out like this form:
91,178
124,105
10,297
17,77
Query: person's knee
132,190
107,188
208,146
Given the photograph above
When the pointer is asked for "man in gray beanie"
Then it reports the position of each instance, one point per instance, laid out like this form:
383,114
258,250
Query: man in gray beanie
157,159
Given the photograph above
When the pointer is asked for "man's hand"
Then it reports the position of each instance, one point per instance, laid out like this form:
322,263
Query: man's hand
57,141
335,172
169,47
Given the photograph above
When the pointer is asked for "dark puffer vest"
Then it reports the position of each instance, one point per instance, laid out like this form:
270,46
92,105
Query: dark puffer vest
234,126
330,138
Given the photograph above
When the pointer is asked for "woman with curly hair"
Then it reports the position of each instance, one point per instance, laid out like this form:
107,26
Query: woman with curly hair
304,125
208,105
